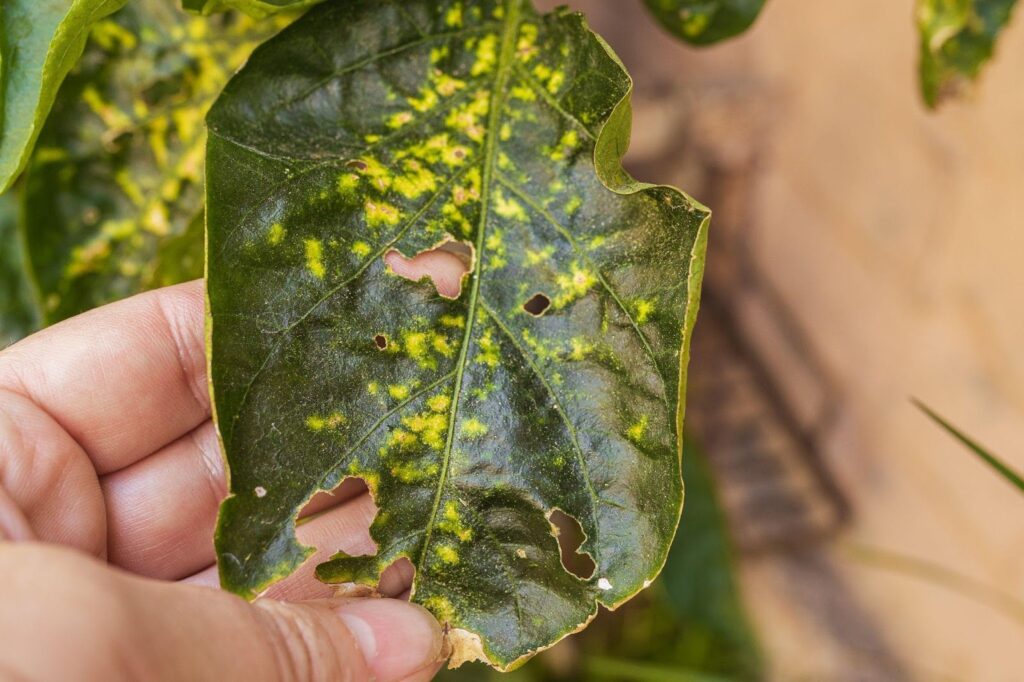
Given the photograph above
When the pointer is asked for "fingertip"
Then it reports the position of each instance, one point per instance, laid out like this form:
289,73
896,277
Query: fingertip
397,639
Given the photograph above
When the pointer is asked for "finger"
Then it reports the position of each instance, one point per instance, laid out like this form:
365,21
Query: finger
114,626
48,487
344,528
162,510
123,380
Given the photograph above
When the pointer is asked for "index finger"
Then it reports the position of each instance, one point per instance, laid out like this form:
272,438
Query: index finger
123,380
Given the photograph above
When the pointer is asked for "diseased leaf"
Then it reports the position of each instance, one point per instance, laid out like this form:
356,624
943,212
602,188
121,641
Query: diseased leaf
19,315
255,8
371,126
957,39
41,41
117,176
703,22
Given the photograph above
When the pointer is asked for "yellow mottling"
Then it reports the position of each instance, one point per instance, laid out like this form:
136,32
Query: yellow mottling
452,522
402,439
573,205
372,388
486,55
524,93
643,310
380,213
318,423
416,181
439,403
276,234
505,132
453,17
525,48
408,472
542,71
508,208
573,285
441,345
371,138
425,102
474,428
566,145
315,258
438,53
400,119
597,242
448,554
537,257
361,249
555,82
579,348
347,183
636,431
441,608
488,354
398,391
445,84
456,321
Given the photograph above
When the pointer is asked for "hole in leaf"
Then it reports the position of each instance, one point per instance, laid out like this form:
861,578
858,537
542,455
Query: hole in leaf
570,536
537,304
356,164
397,578
446,265
380,341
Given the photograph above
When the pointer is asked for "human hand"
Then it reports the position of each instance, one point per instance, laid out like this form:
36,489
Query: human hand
107,448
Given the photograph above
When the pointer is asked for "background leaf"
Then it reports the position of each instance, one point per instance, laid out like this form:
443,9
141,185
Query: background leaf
703,22
399,125
116,180
255,8
957,38
41,41
995,463
19,314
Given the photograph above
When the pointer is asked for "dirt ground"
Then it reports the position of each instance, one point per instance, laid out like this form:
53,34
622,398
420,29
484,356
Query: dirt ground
865,251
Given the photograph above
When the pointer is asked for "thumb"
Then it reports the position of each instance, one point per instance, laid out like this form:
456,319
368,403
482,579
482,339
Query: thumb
204,633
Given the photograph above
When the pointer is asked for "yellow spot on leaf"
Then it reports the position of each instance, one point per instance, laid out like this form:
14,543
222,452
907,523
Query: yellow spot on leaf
448,554
636,431
474,428
276,234
643,310
361,249
439,403
398,391
315,257
380,213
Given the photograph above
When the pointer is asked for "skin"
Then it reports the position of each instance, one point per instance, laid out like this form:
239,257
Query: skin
110,480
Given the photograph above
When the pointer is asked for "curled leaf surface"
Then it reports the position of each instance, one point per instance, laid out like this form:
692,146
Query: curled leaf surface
487,130
40,43
114,190
958,38
703,22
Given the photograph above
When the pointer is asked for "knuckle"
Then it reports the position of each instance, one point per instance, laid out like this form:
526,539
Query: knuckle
304,647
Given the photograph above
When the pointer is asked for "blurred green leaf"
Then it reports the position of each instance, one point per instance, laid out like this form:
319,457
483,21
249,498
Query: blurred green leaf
19,315
116,180
702,22
957,38
983,454
41,40
257,9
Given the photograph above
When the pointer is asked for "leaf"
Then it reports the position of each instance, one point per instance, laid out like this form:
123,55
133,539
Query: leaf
19,314
41,41
700,581
117,176
997,465
258,9
702,22
957,39
371,126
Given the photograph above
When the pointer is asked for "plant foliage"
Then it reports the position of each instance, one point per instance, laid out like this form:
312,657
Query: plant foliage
703,22
957,39
488,130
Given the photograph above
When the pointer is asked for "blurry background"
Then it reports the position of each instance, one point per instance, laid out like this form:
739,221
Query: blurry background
863,251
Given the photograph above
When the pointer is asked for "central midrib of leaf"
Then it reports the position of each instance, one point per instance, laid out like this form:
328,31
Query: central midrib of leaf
497,97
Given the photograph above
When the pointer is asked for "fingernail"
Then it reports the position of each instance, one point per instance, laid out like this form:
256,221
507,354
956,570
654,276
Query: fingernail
396,638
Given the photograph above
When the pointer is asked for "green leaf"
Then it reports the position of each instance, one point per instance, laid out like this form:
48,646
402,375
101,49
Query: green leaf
371,126
41,41
19,314
702,22
701,583
116,179
957,39
257,9
997,465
